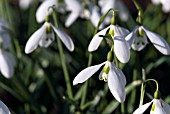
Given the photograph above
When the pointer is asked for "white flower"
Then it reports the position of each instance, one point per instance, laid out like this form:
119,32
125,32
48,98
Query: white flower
43,10
7,65
121,47
116,5
78,9
44,37
4,35
115,77
165,4
138,40
158,107
3,108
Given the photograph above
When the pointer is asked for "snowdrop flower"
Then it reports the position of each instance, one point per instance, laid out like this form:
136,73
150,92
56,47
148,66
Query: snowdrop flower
114,4
114,76
7,65
165,4
83,10
43,10
44,37
158,107
118,34
3,108
138,40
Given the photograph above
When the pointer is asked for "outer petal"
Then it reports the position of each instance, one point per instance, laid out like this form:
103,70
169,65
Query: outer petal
86,73
64,38
116,84
33,41
158,107
75,7
97,39
119,31
95,16
142,108
24,4
159,43
121,75
121,49
6,66
42,11
165,106
165,5
4,109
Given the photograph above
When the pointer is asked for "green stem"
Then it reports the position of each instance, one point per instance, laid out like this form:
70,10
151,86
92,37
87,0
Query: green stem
157,86
142,88
63,62
122,108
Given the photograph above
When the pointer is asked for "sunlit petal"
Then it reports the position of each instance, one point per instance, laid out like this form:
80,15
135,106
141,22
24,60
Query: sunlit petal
3,108
97,39
142,108
159,43
121,75
42,11
115,84
86,73
6,66
33,41
119,31
67,41
121,49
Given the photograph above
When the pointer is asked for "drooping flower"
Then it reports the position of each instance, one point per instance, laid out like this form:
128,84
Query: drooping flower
165,4
7,65
116,5
158,107
137,39
3,108
83,10
44,37
43,10
114,76
118,34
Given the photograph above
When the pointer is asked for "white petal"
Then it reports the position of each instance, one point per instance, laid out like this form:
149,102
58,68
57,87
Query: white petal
121,49
119,31
47,39
6,66
97,39
4,109
116,84
166,107
42,11
142,108
5,39
165,5
64,38
24,4
158,107
139,43
11,58
33,41
3,24
86,73
156,2
75,7
95,16
159,43
121,75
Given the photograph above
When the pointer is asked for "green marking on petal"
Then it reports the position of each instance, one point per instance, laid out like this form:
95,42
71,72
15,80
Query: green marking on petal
153,107
48,29
111,32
